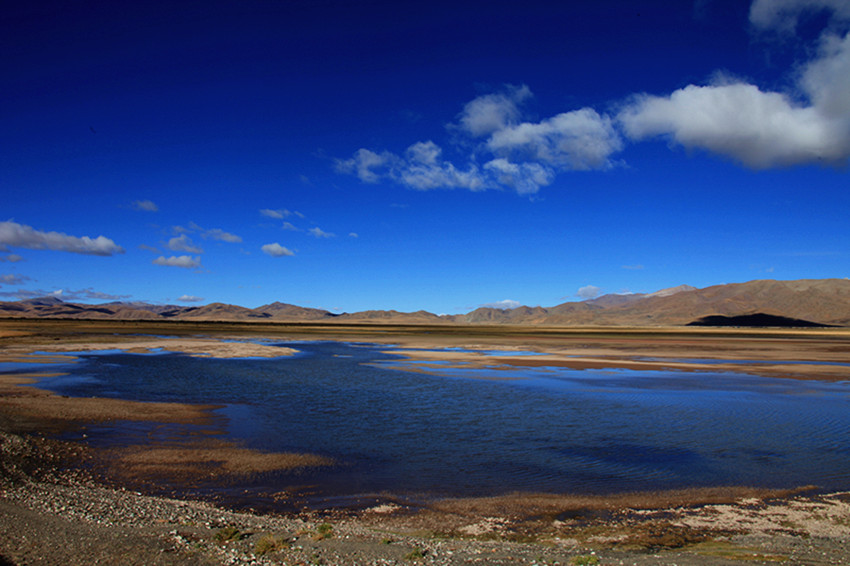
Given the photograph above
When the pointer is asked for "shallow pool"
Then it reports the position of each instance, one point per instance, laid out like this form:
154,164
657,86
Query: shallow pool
477,432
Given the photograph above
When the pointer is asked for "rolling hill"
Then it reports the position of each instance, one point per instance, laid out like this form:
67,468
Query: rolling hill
821,301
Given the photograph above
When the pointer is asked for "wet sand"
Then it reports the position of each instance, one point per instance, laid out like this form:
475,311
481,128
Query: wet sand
704,526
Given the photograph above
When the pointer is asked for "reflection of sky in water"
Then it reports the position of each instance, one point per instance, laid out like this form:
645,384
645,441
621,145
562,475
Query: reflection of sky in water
535,429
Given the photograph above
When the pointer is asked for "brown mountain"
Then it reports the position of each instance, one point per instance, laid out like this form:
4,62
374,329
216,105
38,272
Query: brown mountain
823,301
283,311
391,317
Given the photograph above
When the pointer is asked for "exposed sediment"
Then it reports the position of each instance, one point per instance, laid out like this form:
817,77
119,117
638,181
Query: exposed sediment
56,509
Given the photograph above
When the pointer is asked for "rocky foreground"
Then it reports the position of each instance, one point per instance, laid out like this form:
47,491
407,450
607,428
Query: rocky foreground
52,514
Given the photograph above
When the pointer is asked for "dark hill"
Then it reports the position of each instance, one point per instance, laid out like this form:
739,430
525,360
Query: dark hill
758,319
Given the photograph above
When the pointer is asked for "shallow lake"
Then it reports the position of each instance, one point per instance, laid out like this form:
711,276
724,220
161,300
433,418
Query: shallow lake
476,432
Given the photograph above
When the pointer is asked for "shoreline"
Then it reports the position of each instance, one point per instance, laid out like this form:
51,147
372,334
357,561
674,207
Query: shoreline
77,520
51,483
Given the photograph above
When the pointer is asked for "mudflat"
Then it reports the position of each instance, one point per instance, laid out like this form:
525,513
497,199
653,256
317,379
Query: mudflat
66,503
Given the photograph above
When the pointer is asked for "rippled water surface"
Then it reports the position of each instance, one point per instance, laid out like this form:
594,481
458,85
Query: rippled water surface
465,432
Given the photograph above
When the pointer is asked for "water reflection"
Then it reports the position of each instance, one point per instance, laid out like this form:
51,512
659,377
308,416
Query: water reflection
544,429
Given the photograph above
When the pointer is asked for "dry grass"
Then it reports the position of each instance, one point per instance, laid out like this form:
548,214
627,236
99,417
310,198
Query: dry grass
28,408
205,459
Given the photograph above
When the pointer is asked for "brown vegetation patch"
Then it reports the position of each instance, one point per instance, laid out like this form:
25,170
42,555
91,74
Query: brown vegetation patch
25,408
205,347
553,506
204,460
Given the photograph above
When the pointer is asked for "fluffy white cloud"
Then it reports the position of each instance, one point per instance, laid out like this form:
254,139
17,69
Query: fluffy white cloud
421,168
145,205
276,250
505,304
280,213
221,235
524,178
12,258
578,140
425,169
184,261
758,128
12,279
190,299
65,295
319,233
783,15
588,292
522,156
493,112
272,213
364,162
291,227
183,243
21,236
91,294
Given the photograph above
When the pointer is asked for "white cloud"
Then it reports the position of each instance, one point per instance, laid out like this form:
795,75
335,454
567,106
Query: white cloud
524,178
759,129
21,236
12,258
578,140
505,304
633,267
490,113
221,235
183,243
145,206
24,294
12,279
762,129
276,250
353,235
319,233
190,299
422,168
272,213
91,294
291,227
588,292
63,294
280,213
363,163
783,15
522,156
184,261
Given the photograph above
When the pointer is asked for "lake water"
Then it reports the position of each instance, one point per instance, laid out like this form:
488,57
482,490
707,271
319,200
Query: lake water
481,432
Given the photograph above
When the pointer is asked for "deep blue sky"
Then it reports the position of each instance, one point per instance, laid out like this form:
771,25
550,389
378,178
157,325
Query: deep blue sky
434,155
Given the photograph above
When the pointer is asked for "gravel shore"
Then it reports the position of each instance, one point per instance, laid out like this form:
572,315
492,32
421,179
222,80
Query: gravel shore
53,514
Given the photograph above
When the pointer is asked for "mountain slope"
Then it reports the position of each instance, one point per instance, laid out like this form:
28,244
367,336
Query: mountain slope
823,301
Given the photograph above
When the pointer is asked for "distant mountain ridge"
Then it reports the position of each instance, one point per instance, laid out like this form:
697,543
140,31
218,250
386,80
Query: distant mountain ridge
821,301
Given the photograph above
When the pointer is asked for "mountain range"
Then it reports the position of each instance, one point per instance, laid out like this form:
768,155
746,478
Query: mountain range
822,301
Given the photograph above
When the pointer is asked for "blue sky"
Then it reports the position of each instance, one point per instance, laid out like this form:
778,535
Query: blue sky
433,155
